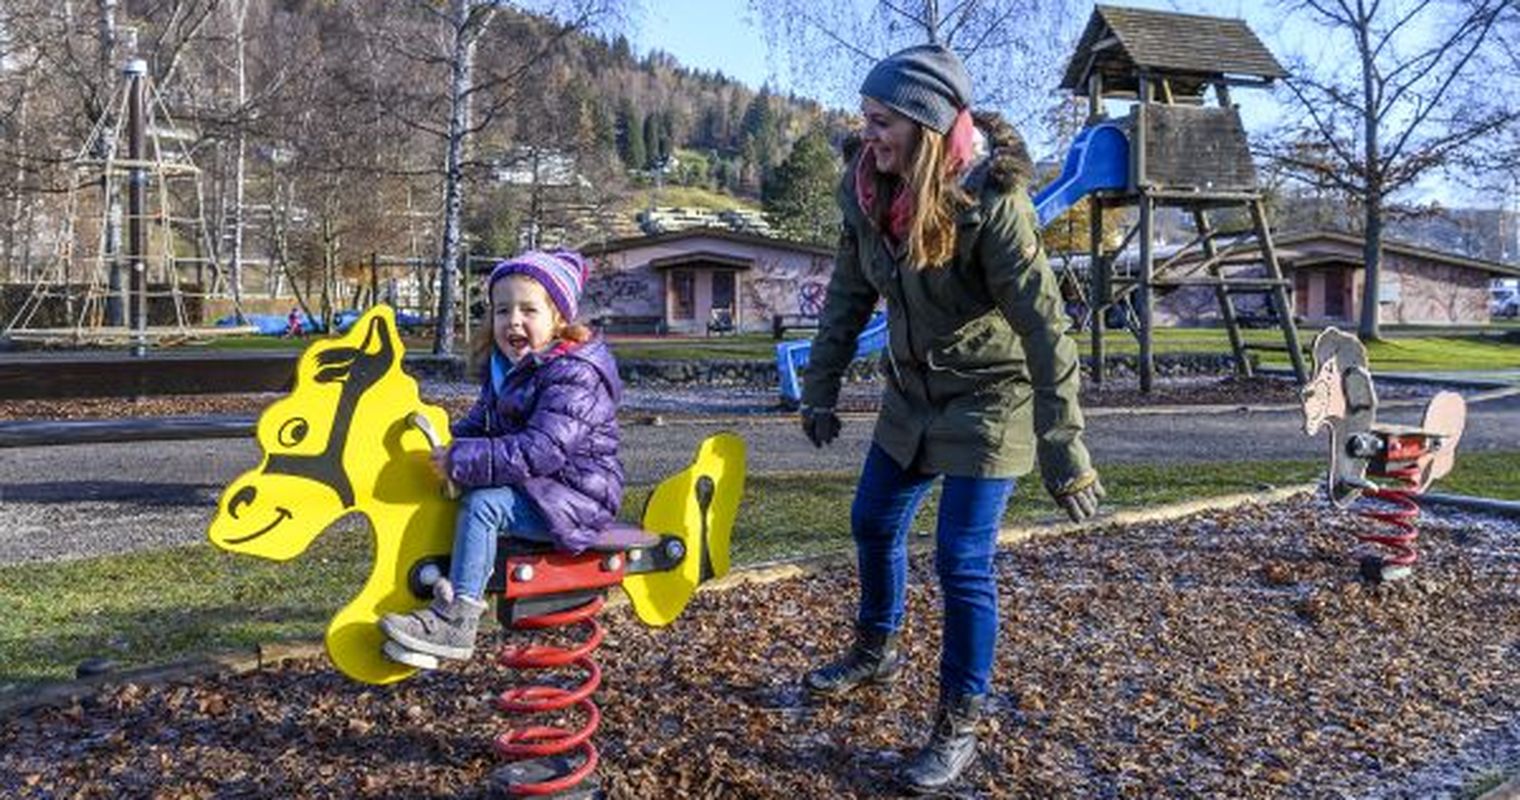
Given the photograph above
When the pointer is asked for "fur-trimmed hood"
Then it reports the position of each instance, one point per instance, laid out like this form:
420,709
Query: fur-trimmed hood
1002,163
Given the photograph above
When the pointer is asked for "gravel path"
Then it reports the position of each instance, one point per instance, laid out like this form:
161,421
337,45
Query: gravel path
79,501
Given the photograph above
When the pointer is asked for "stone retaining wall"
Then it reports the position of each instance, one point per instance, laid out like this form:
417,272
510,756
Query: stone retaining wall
761,374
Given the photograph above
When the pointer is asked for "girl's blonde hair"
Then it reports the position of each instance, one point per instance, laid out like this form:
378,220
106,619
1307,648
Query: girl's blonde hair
483,341
937,199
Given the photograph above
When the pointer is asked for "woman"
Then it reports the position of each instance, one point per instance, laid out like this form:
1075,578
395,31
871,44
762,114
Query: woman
982,376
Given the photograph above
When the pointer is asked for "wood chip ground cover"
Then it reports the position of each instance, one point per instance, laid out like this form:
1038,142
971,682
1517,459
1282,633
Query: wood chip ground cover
1228,654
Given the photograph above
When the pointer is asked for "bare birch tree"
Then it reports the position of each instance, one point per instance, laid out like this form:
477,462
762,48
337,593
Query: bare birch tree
1410,105
1014,49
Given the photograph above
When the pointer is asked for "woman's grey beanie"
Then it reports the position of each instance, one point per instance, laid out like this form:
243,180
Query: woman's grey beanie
926,83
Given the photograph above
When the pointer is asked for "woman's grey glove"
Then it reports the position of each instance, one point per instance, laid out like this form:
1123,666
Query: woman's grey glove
820,424
1079,497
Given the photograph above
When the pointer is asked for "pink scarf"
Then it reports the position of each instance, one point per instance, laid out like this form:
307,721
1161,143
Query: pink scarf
959,145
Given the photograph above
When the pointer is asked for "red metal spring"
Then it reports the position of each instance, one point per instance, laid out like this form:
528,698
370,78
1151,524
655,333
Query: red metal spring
1401,516
541,741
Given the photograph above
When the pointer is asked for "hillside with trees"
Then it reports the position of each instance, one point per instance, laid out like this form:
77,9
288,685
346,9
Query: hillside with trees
334,135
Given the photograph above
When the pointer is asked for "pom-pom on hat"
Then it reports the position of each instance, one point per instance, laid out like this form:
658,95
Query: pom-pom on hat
562,273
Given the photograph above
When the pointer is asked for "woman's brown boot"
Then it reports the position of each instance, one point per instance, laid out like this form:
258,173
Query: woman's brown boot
873,658
951,746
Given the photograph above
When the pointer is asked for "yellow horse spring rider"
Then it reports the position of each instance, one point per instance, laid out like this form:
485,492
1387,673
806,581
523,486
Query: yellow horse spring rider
345,440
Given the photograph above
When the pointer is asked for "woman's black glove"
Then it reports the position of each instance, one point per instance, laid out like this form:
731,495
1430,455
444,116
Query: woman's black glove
1079,497
820,424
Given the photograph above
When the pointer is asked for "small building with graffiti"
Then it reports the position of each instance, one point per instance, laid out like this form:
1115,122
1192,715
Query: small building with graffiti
1419,286
703,280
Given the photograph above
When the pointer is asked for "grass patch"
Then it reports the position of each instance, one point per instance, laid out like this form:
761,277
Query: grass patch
160,606
1402,353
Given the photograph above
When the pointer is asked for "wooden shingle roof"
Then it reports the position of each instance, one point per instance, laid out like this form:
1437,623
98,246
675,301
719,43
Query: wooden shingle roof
1119,42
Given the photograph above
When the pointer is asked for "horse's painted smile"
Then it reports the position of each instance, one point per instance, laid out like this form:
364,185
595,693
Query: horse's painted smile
280,515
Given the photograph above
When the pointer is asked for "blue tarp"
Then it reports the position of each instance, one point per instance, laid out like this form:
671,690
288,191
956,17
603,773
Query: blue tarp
276,324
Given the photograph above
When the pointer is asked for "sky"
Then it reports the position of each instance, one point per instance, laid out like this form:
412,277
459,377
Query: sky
724,35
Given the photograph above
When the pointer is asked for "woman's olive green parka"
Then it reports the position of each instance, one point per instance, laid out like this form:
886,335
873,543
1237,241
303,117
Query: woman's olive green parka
981,376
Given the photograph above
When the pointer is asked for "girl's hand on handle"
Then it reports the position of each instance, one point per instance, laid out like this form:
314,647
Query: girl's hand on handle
439,458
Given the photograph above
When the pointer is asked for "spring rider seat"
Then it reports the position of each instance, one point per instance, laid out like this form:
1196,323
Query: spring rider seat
354,435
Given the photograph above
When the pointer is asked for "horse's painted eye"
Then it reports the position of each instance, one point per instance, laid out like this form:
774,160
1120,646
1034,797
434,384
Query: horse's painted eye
293,431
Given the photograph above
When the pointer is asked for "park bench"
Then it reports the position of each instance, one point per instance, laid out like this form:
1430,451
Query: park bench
781,323
630,323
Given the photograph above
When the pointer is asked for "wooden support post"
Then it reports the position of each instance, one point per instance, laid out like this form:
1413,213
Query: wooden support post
1099,292
1144,306
1279,293
1143,309
137,203
1222,293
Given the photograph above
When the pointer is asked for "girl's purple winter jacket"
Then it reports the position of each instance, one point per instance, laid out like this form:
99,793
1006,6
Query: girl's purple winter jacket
551,432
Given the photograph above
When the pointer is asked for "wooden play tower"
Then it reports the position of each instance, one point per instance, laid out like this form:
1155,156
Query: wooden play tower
1188,151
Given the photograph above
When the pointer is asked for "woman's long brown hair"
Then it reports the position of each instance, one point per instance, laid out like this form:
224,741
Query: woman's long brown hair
937,199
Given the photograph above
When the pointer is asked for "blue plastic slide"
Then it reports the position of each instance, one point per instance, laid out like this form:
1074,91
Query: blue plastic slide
792,356
1098,159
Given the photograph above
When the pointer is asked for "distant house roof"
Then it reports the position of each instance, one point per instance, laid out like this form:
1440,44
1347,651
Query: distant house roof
1119,42
725,234
705,258
1308,250
1310,258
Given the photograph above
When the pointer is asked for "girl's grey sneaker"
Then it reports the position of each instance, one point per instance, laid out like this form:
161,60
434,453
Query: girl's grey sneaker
411,658
445,629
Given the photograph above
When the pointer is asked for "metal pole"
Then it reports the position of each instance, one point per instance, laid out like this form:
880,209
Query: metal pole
1486,505
137,193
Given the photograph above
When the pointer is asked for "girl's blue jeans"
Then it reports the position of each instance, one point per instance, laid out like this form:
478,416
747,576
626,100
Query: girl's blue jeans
970,510
484,514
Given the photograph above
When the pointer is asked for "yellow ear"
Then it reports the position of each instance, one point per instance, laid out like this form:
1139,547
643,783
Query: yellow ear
698,506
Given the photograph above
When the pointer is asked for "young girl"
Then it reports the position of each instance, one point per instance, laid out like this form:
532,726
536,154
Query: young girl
983,377
537,456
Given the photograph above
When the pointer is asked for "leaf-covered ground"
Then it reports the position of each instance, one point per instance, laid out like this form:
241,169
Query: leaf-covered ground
1230,654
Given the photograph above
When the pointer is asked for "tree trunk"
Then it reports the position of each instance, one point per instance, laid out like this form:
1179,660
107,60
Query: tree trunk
19,199
235,260
1370,328
1372,245
461,65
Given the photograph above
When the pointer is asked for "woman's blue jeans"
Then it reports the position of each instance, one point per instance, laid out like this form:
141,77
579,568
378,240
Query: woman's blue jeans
970,511
484,514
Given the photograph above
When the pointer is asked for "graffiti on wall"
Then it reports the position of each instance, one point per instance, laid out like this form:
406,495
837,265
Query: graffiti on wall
788,285
610,290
